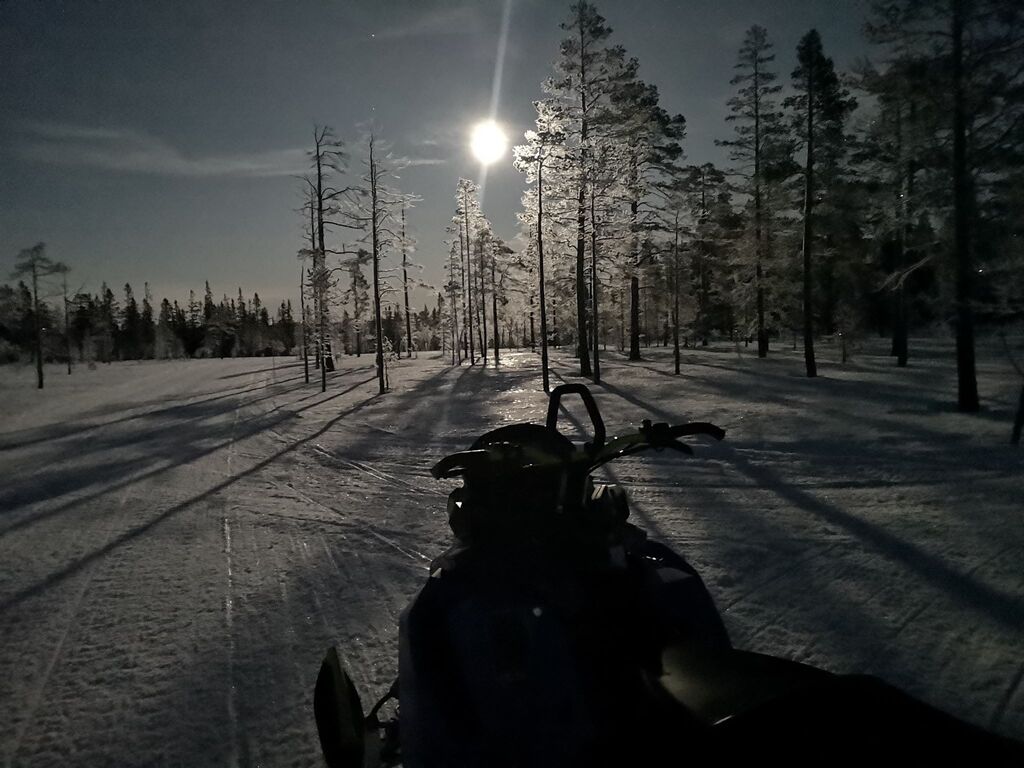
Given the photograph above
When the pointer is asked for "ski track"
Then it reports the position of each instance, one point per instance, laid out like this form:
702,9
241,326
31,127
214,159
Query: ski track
183,540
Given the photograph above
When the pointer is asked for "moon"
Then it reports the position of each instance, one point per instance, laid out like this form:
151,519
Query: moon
488,142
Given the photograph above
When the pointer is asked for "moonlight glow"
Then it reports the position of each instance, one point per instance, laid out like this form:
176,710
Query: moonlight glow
488,142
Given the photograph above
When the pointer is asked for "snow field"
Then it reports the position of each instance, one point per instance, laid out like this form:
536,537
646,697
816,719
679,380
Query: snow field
182,540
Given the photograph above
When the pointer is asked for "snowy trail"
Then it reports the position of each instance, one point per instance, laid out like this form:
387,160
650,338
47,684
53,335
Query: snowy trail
181,541
852,536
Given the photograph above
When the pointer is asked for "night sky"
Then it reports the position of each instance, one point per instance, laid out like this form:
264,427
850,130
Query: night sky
158,141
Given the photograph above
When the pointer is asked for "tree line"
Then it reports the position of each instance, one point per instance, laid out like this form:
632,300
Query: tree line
102,327
879,200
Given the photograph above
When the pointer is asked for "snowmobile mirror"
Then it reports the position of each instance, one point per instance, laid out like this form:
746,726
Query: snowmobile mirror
588,401
339,715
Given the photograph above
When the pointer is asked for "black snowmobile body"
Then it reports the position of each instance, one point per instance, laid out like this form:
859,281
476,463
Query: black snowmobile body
555,633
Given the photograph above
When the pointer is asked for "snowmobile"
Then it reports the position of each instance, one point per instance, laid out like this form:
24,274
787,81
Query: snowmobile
554,632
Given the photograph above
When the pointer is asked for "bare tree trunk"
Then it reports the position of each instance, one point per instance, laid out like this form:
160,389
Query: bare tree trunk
595,324
326,356
482,298
374,213
967,383
540,263
463,343
302,292
762,333
582,343
812,369
533,340
451,302
469,275
494,309
634,318
634,290
899,334
37,330
405,288
622,320
675,296
67,323
305,332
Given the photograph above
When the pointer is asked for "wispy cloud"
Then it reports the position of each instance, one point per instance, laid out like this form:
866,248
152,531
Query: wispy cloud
424,150
412,162
127,151
456,20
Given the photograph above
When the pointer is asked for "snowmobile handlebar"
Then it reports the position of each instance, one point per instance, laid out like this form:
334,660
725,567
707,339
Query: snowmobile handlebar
658,436
596,421
528,446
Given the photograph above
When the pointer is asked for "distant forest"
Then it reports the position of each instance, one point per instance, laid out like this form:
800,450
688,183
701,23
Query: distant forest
104,327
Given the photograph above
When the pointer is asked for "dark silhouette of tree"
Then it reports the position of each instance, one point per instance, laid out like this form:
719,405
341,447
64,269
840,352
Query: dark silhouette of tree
968,56
820,108
756,120
33,263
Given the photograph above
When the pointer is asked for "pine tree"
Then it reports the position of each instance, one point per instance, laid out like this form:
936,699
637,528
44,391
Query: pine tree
147,327
968,56
467,213
820,108
33,262
756,120
130,326
587,72
358,297
544,149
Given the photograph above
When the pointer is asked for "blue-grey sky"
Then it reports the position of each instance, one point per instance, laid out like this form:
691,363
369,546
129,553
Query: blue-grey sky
157,140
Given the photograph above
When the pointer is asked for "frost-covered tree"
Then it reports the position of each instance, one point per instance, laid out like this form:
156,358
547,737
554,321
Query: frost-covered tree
709,197
756,121
327,160
406,244
467,219
371,206
652,151
587,72
357,296
544,149
677,212
454,292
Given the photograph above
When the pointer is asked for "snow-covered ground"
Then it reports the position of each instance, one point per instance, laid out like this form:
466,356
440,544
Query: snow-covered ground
181,541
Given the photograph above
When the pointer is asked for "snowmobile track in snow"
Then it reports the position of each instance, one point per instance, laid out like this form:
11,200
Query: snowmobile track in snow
180,547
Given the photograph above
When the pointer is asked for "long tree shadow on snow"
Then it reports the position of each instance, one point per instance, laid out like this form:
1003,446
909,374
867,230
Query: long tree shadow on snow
278,645
159,451
79,563
64,430
779,386
812,415
348,610
1006,609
